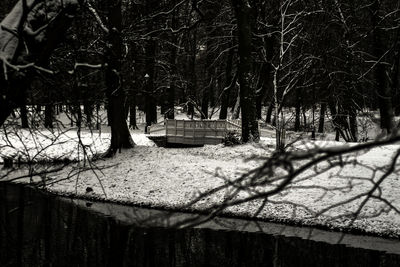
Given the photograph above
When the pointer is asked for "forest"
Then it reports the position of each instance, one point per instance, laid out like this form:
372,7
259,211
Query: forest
310,89
208,57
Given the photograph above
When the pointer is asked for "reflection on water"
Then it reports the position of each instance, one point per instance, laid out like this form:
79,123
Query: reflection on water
41,230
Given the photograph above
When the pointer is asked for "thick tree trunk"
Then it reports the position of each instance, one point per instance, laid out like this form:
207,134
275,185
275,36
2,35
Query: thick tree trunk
395,74
247,93
382,88
120,136
353,125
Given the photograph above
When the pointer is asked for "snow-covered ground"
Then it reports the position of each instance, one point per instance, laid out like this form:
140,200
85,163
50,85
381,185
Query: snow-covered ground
172,177
45,145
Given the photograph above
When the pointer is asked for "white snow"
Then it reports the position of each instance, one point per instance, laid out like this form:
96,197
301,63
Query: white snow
45,145
172,177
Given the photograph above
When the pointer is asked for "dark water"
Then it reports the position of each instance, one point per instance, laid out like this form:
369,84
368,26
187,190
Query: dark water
38,229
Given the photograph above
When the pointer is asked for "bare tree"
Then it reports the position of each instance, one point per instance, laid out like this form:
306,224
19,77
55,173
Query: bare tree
247,92
288,68
120,136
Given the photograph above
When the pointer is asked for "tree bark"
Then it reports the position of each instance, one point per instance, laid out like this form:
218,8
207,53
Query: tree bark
247,93
170,112
24,117
321,122
132,115
48,116
297,113
270,109
382,88
339,121
88,110
229,84
265,83
120,136
192,73
395,74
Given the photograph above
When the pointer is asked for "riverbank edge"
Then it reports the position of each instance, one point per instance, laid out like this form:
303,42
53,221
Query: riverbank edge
318,223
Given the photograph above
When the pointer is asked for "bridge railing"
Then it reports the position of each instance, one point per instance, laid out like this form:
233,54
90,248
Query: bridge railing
198,132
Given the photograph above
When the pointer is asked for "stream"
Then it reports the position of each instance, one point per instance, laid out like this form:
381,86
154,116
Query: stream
40,229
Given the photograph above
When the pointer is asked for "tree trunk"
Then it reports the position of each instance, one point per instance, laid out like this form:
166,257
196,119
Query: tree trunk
298,108
150,50
192,73
266,78
339,121
48,116
120,136
304,118
170,112
259,92
236,108
88,110
395,74
78,113
132,115
98,119
108,109
24,116
321,122
270,109
247,93
382,88
229,84
70,110
353,125
204,102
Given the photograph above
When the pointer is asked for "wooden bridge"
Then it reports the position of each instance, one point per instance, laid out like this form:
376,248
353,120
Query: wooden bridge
196,132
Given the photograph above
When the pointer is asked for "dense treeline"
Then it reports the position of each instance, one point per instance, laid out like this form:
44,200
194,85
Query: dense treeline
214,56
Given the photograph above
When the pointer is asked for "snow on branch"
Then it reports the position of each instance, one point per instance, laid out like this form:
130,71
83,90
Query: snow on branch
96,15
7,64
86,65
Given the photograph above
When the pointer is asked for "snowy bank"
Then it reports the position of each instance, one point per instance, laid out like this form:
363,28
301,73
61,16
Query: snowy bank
171,178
